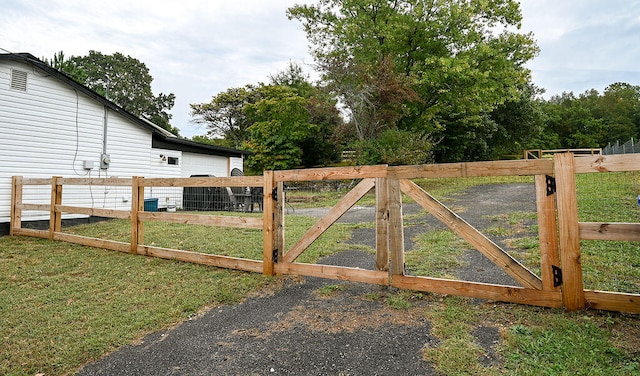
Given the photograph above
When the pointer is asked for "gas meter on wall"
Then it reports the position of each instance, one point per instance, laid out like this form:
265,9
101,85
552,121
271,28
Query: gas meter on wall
105,159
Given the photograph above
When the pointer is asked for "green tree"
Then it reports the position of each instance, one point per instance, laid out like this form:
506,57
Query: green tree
280,121
519,125
450,62
593,119
233,115
569,118
61,63
125,81
212,141
224,116
619,108
318,148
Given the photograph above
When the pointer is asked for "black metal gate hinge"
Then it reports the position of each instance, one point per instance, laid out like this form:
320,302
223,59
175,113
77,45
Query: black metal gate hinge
275,255
551,185
274,194
557,275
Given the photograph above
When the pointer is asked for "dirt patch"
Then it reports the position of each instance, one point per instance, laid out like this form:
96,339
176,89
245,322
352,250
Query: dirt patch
488,337
343,313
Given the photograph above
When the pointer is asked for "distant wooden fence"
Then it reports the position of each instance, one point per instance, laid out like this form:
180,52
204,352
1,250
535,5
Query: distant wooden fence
539,153
559,285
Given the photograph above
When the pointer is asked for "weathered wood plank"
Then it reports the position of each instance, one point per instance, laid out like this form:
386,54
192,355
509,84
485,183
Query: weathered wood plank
36,181
480,290
567,204
230,181
137,206
333,215
382,225
55,218
202,258
471,169
92,242
334,272
116,182
268,230
483,244
396,228
31,232
547,233
607,163
94,212
199,219
609,231
16,201
613,301
42,207
332,173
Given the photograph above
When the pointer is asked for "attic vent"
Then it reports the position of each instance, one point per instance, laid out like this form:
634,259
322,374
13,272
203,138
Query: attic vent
18,80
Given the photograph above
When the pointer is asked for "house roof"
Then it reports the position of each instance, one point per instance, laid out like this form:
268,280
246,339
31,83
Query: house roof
161,138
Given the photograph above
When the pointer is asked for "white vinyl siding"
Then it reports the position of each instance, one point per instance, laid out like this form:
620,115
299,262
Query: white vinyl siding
160,168
199,164
52,130
235,163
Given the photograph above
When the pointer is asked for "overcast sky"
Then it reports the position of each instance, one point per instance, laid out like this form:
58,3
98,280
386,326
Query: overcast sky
198,48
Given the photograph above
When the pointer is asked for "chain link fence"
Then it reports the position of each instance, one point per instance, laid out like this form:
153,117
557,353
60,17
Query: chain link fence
631,146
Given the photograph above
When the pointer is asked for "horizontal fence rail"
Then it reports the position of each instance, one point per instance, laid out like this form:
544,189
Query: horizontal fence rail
559,230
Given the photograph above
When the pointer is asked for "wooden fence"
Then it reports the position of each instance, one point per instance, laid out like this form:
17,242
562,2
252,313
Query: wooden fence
539,153
560,283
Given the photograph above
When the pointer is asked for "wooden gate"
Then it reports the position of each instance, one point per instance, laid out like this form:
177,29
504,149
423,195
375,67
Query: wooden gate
389,184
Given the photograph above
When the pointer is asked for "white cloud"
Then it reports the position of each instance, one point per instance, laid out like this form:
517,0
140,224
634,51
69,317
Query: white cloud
193,48
584,44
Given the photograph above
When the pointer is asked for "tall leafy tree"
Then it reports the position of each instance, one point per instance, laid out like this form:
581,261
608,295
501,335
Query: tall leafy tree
122,79
63,64
251,117
619,107
280,121
592,119
224,116
519,125
318,148
461,58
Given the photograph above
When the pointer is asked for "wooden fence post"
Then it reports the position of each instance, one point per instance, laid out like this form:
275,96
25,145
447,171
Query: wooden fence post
547,231
268,233
55,217
572,284
396,231
137,205
382,225
16,199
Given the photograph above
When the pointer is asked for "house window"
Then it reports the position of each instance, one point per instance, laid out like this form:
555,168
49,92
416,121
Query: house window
18,80
173,161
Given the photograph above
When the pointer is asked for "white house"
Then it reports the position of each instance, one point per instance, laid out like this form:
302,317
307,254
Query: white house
50,125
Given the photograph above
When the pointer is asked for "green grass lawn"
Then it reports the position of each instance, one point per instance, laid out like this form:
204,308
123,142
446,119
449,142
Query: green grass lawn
62,305
540,341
